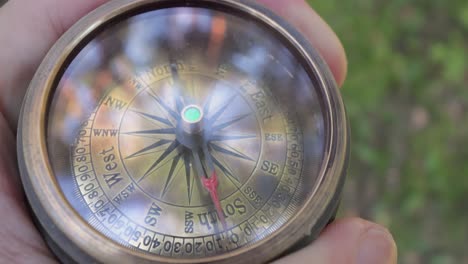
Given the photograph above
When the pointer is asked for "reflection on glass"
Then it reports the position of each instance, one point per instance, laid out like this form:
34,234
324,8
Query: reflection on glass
127,162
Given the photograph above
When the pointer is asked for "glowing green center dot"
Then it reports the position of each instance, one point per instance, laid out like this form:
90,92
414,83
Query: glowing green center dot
192,114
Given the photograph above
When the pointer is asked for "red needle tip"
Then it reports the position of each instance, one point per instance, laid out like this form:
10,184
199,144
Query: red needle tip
211,184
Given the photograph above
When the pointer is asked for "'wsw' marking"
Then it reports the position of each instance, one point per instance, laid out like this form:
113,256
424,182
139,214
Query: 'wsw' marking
114,103
124,194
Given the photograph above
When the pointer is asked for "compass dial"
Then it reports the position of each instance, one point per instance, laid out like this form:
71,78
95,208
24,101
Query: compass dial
160,128
180,132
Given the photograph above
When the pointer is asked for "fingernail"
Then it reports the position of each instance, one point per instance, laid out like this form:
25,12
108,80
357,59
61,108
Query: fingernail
376,247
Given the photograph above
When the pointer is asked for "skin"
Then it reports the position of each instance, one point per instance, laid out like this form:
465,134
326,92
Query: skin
27,31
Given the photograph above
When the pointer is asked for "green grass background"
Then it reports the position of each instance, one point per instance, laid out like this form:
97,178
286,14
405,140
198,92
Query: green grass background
407,100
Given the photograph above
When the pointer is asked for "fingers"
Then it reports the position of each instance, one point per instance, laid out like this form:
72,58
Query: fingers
9,179
27,31
321,36
348,241
20,242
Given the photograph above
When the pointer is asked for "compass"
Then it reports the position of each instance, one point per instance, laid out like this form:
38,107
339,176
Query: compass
194,131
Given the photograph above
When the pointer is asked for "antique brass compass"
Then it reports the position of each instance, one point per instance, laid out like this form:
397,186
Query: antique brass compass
182,131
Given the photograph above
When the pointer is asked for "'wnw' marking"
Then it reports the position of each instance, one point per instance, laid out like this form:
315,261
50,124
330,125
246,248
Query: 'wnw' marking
105,132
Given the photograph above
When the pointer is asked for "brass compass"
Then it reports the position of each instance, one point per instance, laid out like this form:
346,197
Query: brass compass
182,131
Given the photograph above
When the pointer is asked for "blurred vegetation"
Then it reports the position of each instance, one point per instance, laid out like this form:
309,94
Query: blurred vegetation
407,100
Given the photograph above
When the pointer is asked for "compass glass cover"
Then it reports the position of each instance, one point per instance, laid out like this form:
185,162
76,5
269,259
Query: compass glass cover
186,132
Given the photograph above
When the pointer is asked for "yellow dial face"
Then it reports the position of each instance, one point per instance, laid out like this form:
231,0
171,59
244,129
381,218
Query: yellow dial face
186,133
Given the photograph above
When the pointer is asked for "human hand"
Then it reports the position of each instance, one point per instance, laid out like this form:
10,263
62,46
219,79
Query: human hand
27,31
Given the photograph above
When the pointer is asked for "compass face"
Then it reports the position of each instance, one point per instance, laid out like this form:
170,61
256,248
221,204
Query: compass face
153,142
188,133
123,150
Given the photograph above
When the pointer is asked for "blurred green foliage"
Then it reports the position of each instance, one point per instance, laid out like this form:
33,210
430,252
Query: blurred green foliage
407,100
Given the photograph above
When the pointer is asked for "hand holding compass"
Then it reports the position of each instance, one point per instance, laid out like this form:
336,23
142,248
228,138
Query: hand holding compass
258,126
34,53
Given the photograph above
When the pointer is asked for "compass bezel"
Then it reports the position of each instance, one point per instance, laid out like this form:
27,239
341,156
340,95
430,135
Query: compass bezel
71,238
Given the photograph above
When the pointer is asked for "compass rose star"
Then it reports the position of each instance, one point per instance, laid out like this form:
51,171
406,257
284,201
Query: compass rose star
175,156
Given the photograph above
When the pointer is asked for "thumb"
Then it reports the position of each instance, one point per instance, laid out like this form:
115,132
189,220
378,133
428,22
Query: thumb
299,14
27,30
348,241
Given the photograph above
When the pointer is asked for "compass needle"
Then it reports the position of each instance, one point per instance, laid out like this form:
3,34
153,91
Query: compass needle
174,132
211,185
